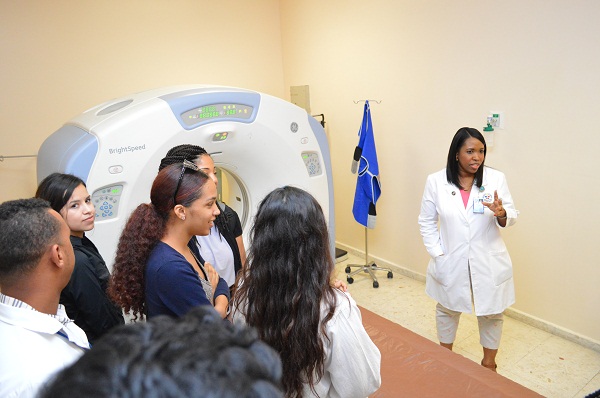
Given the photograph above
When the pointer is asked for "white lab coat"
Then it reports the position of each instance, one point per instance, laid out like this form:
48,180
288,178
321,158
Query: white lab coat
467,241
352,364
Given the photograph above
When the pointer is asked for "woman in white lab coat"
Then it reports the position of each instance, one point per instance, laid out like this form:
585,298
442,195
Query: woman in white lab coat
469,266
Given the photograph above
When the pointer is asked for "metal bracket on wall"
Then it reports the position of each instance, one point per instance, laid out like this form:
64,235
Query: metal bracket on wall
2,157
370,100
322,116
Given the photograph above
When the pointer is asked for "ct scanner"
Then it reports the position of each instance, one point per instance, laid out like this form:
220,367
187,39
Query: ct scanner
258,142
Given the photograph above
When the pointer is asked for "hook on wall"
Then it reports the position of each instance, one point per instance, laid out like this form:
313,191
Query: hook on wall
370,100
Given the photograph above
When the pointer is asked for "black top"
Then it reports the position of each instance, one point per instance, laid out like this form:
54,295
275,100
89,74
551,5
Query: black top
232,231
84,297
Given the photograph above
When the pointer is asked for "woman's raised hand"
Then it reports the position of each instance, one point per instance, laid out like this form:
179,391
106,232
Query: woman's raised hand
213,275
496,206
338,284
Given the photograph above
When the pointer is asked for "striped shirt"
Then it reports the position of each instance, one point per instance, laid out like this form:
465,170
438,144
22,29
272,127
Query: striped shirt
34,346
13,302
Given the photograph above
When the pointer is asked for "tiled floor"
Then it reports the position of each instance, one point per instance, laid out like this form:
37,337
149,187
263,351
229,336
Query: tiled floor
540,361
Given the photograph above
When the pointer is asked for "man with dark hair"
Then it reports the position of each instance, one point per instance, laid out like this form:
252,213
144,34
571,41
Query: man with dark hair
198,355
36,261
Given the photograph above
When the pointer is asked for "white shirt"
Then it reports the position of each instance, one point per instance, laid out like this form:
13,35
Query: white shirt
352,361
31,348
215,249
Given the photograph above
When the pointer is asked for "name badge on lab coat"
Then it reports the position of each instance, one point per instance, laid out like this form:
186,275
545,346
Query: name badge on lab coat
478,206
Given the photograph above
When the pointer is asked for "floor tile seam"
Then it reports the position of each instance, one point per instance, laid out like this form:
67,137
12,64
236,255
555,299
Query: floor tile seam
579,348
584,390
557,360
475,354
528,342
555,379
530,347
520,359
542,388
554,389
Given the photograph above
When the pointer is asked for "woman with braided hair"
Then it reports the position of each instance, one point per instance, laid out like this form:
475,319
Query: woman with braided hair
155,272
223,247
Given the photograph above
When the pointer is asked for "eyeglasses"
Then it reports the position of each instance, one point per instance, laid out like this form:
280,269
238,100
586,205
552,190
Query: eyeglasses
186,165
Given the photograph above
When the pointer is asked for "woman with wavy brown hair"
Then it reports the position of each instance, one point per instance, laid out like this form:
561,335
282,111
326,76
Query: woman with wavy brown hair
155,272
285,292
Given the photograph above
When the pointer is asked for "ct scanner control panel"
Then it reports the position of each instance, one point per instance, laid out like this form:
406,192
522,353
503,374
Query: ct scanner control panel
312,163
106,201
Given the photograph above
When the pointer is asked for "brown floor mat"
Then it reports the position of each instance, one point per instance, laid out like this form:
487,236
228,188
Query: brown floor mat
413,366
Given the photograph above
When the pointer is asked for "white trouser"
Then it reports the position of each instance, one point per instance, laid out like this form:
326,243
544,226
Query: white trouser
490,327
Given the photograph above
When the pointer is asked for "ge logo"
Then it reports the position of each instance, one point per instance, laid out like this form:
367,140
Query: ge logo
294,127
487,198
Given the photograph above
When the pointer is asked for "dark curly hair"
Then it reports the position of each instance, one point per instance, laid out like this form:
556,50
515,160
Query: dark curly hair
27,230
145,227
193,153
169,357
285,281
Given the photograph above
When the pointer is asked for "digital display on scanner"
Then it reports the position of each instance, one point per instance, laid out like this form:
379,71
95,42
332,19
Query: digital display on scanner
217,111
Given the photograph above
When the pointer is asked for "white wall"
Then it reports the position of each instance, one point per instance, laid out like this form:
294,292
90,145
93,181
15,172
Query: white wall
440,65
61,57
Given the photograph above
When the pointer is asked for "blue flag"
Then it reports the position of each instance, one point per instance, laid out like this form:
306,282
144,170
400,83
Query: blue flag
368,187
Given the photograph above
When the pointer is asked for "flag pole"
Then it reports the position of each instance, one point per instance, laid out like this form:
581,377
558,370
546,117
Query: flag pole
368,189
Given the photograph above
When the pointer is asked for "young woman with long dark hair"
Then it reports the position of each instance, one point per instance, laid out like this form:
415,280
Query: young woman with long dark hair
85,298
286,292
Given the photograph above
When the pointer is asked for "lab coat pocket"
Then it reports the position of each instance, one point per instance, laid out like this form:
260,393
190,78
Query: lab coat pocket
438,268
501,267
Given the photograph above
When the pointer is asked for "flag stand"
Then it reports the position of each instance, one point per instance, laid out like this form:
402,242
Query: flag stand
367,267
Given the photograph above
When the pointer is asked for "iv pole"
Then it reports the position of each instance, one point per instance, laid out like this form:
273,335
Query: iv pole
367,267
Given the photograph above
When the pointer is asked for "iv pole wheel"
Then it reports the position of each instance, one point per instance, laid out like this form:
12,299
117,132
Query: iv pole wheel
350,280
390,275
347,270
375,284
